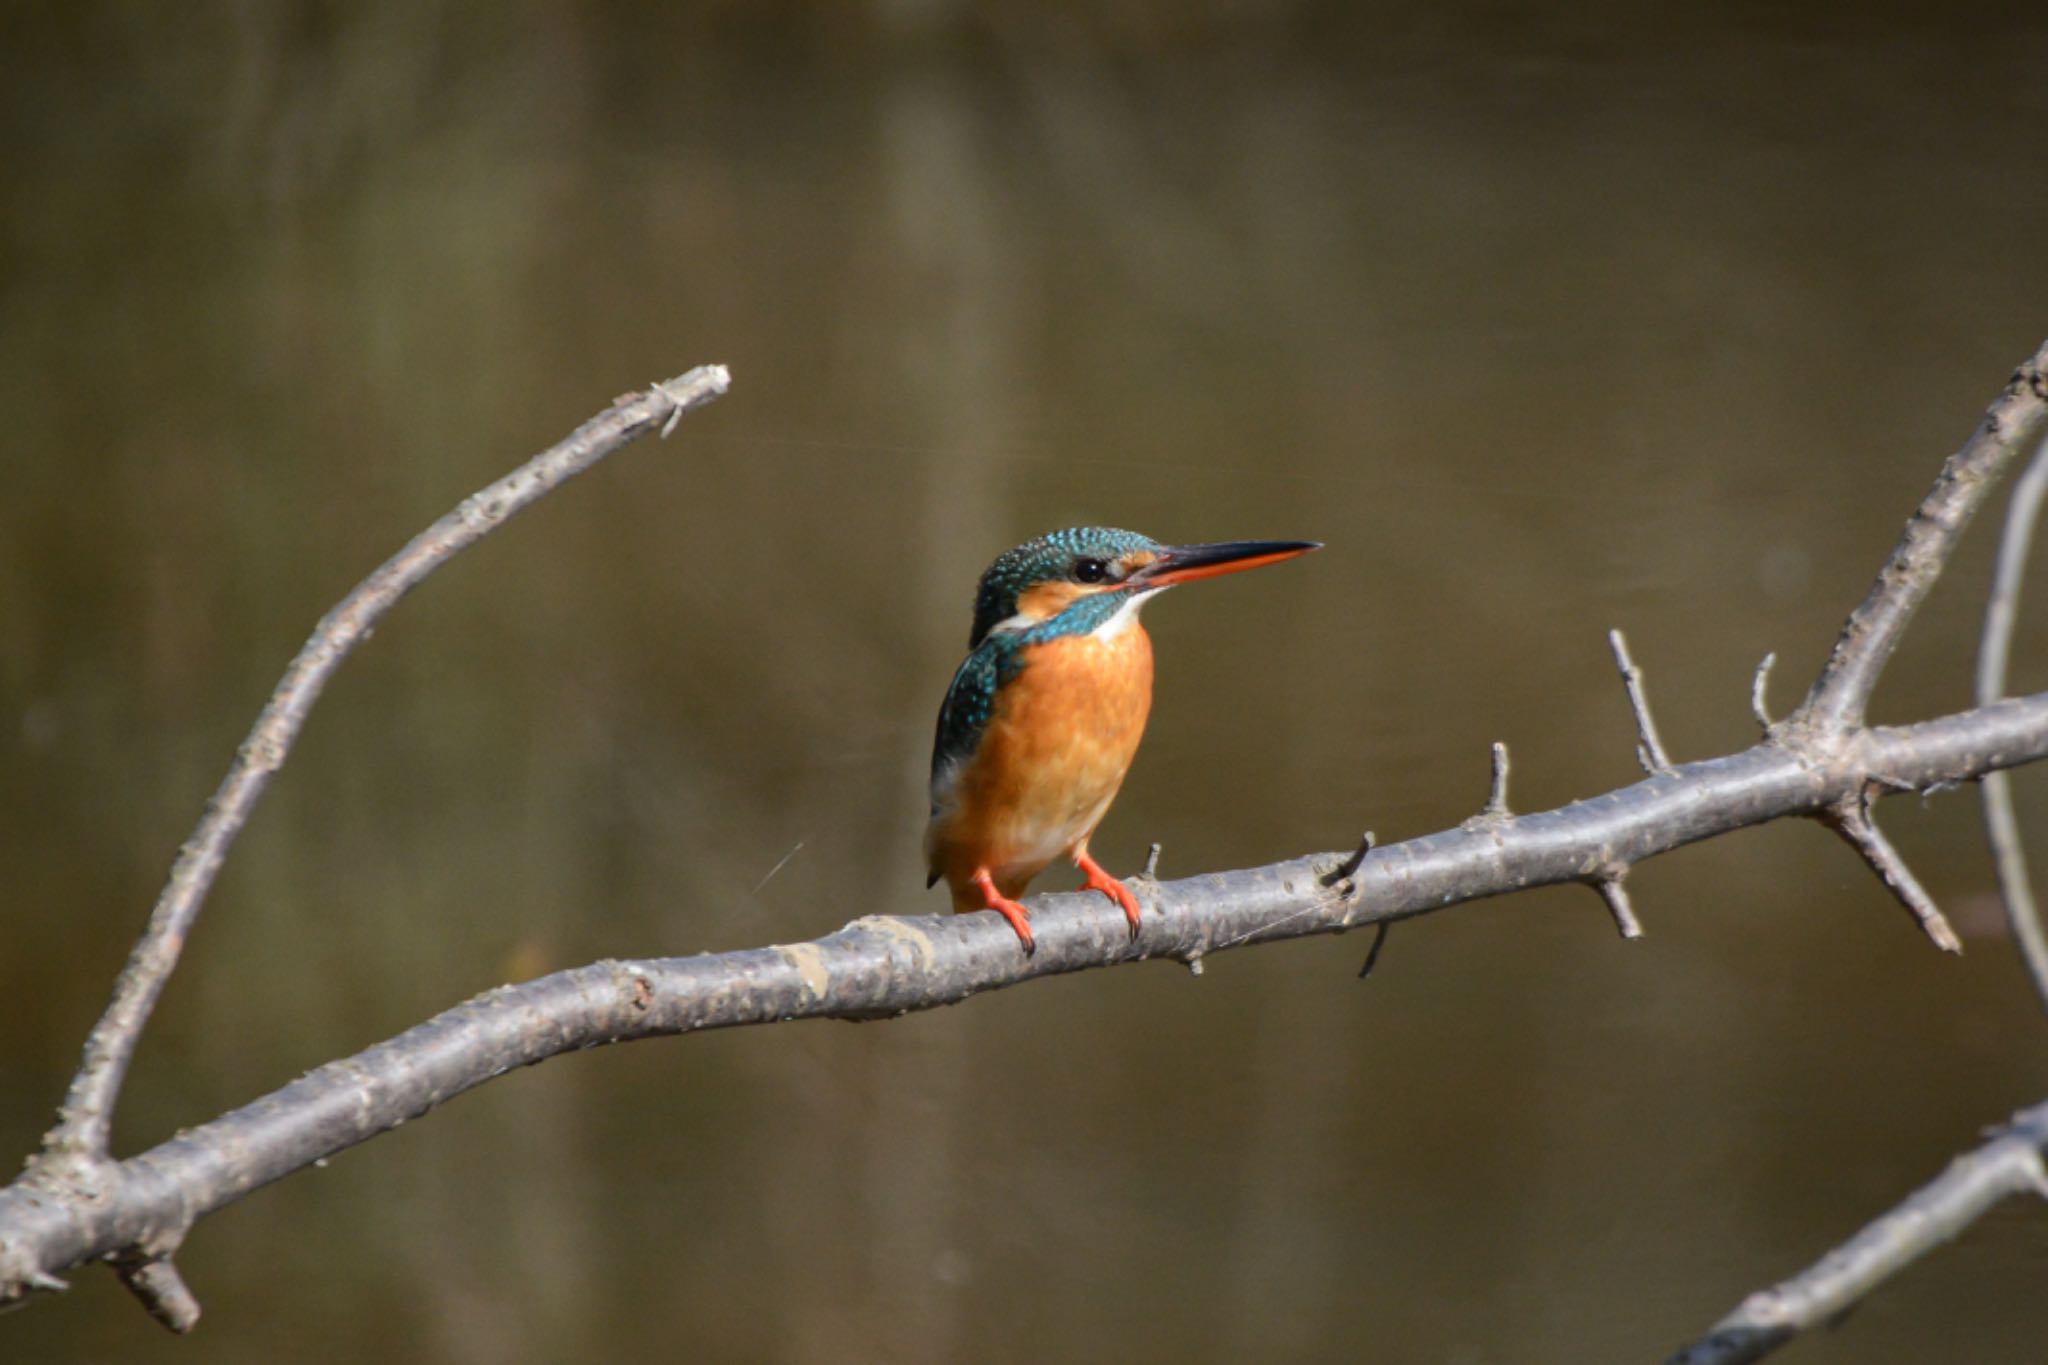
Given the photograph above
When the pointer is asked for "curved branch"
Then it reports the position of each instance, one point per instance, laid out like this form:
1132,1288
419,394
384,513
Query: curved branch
2009,1164
2001,825
881,967
79,1141
1836,703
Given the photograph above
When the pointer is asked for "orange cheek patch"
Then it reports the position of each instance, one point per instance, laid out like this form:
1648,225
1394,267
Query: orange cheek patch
1044,601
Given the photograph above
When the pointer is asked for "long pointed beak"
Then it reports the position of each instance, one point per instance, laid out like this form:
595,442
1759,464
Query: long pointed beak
1186,563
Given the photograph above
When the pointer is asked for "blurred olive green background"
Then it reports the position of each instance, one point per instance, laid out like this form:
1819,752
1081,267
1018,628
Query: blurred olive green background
1546,319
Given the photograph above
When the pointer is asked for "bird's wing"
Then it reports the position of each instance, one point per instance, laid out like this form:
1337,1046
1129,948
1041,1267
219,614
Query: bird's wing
969,704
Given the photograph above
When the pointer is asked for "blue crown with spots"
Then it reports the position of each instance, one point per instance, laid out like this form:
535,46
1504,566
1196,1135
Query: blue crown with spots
1057,556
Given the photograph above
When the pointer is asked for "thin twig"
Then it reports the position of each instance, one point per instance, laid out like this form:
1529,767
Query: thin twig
1372,954
1497,798
1756,692
1650,753
2001,824
83,1123
2009,1164
1348,869
1852,820
163,1291
1842,691
1616,895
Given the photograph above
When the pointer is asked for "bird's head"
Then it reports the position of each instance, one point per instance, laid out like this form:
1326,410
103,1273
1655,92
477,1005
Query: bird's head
1042,578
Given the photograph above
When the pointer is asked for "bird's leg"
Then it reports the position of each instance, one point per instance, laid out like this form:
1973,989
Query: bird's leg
1099,880
1016,914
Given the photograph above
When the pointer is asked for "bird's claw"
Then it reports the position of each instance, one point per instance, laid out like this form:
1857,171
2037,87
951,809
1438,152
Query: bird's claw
1099,880
1013,911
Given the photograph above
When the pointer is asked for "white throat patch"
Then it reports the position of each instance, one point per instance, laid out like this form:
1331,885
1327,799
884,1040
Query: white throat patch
1126,615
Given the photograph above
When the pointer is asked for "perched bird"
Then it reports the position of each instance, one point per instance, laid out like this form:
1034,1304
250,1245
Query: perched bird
1043,718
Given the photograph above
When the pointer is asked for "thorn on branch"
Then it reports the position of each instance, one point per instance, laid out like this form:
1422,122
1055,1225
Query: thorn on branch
1851,819
1756,692
1650,753
1347,869
155,1281
1497,799
1379,941
1608,884
1151,872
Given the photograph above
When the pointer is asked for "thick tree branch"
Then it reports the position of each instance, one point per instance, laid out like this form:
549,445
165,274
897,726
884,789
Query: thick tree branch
880,967
2008,1164
1873,631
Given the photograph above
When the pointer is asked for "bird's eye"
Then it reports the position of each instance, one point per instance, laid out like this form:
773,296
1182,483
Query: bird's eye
1090,570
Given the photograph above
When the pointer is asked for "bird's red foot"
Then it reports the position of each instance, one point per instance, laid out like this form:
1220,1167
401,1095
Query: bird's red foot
1013,911
1099,880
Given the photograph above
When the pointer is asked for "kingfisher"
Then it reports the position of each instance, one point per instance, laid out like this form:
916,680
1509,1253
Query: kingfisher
1045,714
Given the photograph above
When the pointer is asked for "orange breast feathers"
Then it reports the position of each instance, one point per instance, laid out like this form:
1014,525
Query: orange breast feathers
1056,749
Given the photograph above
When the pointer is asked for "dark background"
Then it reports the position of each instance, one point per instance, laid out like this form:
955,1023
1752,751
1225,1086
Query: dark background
1546,320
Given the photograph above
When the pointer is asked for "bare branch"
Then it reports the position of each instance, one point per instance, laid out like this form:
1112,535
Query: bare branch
881,967
83,1123
1650,753
2008,1164
1851,819
1836,703
2001,825
1756,692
